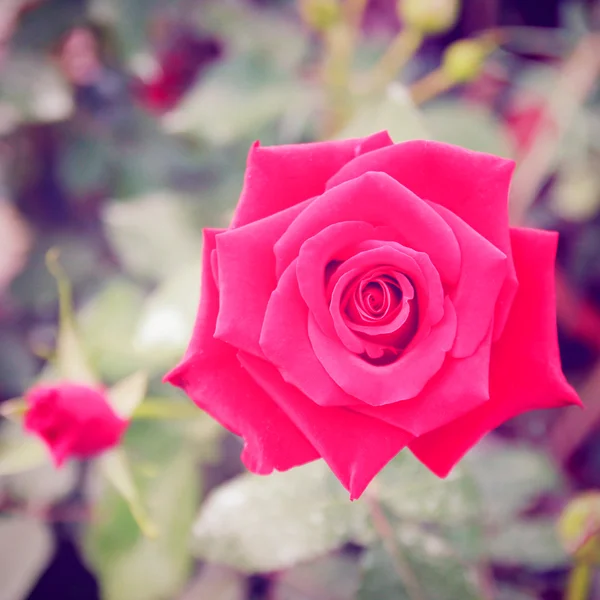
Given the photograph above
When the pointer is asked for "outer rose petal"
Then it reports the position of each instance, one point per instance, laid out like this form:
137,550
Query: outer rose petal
525,366
278,177
377,199
211,375
354,446
246,268
472,185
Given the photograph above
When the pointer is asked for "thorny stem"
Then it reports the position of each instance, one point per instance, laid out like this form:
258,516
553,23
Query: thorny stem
401,566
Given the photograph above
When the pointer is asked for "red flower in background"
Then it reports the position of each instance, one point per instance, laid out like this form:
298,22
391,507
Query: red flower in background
371,296
73,420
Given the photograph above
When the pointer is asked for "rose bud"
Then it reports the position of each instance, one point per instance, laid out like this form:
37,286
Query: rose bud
73,420
368,297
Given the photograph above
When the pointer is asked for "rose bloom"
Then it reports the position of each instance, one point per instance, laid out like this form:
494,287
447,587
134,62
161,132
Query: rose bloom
370,296
73,420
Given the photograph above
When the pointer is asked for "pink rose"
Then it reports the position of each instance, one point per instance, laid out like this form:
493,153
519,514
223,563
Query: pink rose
370,296
73,420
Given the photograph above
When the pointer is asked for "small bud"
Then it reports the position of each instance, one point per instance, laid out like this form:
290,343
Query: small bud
464,60
579,527
428,16
320,14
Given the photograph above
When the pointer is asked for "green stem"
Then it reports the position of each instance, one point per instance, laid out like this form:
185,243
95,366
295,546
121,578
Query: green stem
395,58
164,408
580,578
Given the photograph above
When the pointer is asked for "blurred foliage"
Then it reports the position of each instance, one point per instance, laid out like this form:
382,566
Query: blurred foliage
125,126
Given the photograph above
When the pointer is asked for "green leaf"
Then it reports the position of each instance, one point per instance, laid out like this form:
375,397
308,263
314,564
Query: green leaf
530,543
43,485
152,234
509,477
25,548
70,358
466,125
413,492
255,523
335,577
424,558
128,394
116,469
108,323
218,582
20,452
395,113
128,565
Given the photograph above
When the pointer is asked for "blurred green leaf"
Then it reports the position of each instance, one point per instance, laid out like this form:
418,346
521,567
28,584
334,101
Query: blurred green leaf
25,549
467,125
167,318
152,234
86,164
20,452
237,99
133,567
395,113
108,322
218,582
43,485
335,577
430,562
128,394
531,543
255,523
413,492
509,477
116,469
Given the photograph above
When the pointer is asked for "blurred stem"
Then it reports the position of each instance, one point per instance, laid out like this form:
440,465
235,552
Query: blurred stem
578,586
430,86
353,13
395,58
340,44
388,537
339,49
166,408
577,79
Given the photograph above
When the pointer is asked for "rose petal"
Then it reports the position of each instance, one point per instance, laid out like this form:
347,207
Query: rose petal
482,275
354,446
284,341
246,267
416,265
278,177
525,366
317,252
378,199
461,385
472,185
383,384
212,377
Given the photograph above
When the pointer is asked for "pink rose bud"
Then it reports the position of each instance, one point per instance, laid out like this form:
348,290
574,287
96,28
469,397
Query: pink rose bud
369,297
73,420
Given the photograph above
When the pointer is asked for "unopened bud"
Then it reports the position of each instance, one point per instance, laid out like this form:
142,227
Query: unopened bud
464,60
320,14
428,16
